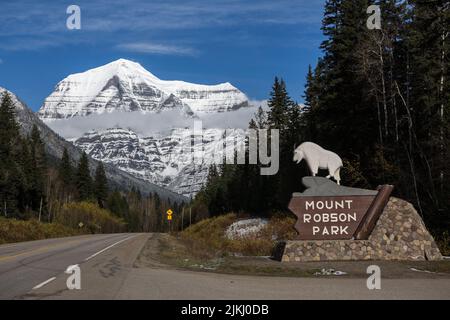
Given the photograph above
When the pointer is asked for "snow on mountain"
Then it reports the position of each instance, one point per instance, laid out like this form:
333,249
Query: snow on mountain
166,160
132,117
124,85
205,98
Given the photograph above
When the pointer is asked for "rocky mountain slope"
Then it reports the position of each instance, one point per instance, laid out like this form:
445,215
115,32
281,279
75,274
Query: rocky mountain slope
162,159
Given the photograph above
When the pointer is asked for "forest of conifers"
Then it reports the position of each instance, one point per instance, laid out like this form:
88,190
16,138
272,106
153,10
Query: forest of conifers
378,98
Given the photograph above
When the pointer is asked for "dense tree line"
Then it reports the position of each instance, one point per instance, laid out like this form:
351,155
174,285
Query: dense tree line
22,167
32,186
379,98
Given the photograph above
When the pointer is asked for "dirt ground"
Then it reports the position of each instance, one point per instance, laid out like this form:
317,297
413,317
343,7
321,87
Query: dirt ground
170,252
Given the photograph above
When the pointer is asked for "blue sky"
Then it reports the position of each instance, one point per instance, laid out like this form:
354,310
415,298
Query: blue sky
245,42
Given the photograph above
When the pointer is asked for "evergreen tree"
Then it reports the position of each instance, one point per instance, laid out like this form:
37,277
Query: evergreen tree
101,185
39,169
428,100
11,183
65,169
83,179
279,104
117,204
310,93
9,129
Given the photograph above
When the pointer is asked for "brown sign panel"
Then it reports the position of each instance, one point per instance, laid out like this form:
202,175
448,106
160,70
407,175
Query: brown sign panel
329,217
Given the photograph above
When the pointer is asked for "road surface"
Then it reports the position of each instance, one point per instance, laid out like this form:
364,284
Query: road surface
35,270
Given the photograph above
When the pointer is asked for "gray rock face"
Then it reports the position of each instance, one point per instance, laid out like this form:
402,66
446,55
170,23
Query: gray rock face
320,186
161,158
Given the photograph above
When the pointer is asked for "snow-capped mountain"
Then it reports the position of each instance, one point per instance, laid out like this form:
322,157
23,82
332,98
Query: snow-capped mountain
125,86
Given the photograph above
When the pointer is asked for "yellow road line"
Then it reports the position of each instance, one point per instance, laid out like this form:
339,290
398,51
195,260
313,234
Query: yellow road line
38,250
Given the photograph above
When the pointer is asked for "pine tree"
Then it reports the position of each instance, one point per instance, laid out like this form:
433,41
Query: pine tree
279,103
101,185
39,169
11,174
83,179
26,174
65,173
428,100
342,114
9,129
310,95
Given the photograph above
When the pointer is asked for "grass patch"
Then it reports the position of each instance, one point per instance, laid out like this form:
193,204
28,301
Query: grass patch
67,223
177,253
207,237
443,242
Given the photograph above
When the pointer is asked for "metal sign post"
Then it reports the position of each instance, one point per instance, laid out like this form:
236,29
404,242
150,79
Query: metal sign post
182,219
169,218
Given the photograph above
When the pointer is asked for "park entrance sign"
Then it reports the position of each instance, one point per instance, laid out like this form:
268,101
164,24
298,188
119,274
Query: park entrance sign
336,222
327,211
329,217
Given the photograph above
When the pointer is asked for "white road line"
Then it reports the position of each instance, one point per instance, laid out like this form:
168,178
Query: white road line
40,285
103,250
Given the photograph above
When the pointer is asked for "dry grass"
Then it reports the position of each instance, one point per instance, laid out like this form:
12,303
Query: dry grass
93,218
12,230
443,242
207,237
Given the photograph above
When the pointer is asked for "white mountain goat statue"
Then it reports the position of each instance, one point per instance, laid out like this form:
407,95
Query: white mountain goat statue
317,158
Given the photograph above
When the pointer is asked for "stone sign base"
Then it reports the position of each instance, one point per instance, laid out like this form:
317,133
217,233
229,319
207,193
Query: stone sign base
399,234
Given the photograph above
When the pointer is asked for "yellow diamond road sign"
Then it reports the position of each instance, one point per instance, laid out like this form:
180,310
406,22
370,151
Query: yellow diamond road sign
169,214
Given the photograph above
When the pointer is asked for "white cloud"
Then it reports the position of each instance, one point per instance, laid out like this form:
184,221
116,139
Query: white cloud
151,123
157,48
1,61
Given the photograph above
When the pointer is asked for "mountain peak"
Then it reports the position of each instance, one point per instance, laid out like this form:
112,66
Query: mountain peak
127,64
124,61
121,68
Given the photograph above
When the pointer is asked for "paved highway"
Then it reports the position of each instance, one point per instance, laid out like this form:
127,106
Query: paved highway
35,270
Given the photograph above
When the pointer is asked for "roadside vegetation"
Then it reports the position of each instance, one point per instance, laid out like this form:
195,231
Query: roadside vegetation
208,236
89,218
13,230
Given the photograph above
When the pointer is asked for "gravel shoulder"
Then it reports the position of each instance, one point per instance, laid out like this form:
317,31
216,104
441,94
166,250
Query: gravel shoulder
166,251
